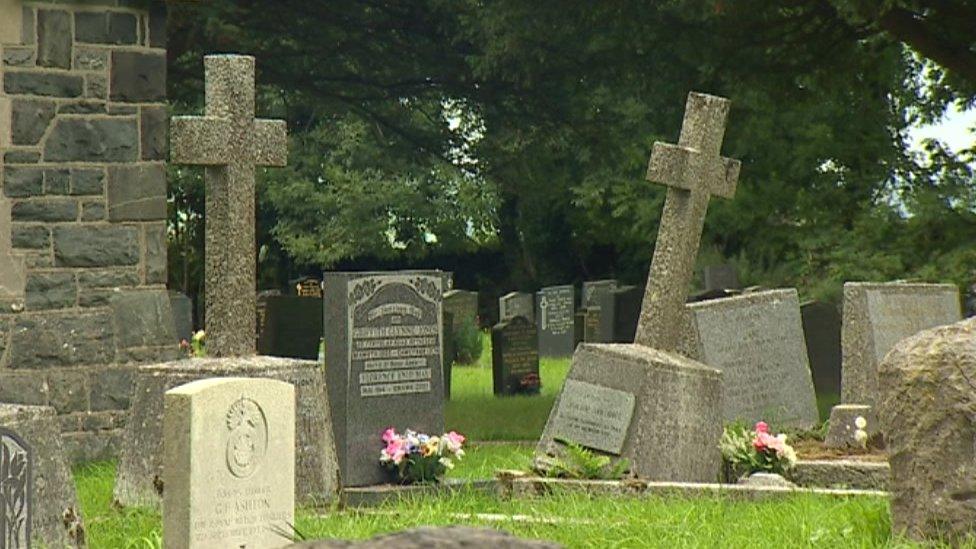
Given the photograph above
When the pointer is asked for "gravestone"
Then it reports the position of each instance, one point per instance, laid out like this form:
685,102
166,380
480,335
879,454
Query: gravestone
515,304
37,493
515,357
756,341
308,287
463,306
876,317
384,348
821,328
720,277
644,402
599,294
229,463
447,280
289,326
555,311
592,324
626,310
182,307
450,351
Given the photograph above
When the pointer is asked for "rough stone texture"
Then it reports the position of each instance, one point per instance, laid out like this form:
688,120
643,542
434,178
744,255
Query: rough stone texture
841,473
677,410
30,119
138,77
515,304
756,340
449,537
23,182
102,27
842,426
54,39
87,182
928,414
53,496
140,464
95,246
137,192
45,210
875,317
46,84
52,340
230,142
98,140
229,463
693,171
555,309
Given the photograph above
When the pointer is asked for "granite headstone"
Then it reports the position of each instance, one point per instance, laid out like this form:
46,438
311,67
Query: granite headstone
821,328
626,310
515,304
289,326
182,307
599,293
515,357
555,309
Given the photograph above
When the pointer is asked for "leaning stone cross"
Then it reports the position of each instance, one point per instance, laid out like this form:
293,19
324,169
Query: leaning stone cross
230,143
693,172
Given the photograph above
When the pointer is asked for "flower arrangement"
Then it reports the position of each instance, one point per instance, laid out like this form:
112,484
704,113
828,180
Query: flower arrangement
756,450
418,457
197,346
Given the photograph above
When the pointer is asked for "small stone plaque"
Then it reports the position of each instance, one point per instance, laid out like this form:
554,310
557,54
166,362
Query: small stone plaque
594,416
16,491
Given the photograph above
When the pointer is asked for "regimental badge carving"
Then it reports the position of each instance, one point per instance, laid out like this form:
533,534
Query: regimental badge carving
16,464
247,440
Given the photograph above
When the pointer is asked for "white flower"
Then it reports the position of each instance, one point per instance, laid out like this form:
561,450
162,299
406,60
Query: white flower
861,437
860,422
446,462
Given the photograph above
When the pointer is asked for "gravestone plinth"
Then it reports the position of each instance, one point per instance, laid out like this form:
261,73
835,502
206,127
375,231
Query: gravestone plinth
598,294
140,469
661,411
555,309
289,326
37,492
229,463
384,348
515,357
757,341
515,304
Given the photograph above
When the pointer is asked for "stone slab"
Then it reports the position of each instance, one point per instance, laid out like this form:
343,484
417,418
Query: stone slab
515,304
555,311
463,305
599,294
626,312
140,470
594,416
821,328
515,357
843,426
289,326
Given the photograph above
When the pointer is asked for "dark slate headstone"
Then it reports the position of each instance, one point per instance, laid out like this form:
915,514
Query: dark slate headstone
182,307
626,308
450,352
384,348
515,357
515,304
721,277
599,293
592,322
579,320
555,311
821,329
16,490
289,326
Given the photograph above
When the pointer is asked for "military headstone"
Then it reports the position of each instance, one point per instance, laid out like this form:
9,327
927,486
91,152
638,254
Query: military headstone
626,309
182,307
384,349
229,455
721,277
555,311
599,294
515,304
515,357
756,341
821,328
289,326
876,316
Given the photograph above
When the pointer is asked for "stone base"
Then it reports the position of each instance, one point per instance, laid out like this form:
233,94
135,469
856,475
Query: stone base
55,514
842,427
140,467
676,424
841,474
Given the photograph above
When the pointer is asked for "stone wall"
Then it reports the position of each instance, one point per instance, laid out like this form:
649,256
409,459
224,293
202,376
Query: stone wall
82,209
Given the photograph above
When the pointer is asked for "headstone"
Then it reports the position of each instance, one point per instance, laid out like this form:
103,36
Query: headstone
579,322
447,280
555,309
463,306
821,328
289,326
308,287
515,304
37,494
599,294
450,352
756,341
515,357
626,311
229,463
592,324
927,408
876,316
672,430
182,307
721,277
384,348
230,143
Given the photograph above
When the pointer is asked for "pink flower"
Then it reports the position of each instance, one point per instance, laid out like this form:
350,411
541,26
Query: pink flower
765,441
389,435
396,450
762,427
455,438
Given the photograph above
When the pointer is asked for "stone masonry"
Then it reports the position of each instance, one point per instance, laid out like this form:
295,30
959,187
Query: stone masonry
82,209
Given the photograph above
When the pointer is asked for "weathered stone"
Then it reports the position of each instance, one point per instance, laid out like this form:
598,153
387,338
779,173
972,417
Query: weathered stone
515,304
154,125
42,83
54,39
85,106
841,474
446,537
156,253
21,157
57,182
27,34
138,77
30,236
140,464
51,291
93,278
157,27
21,388
91,59
47,341
96,86
137,192
68,391
86,447
515,357
23,182
112,388
232,441
843,427
122,110
96,298
18,57
87,182
45,210
29,120
928,414
143,319
96,246
92,140
101,27
55,517
93,210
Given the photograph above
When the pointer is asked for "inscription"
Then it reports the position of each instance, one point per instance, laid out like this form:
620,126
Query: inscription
239,513
16,491
556,307
594,416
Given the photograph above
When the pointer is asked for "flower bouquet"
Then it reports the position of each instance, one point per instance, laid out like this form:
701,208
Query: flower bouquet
417,457
756,450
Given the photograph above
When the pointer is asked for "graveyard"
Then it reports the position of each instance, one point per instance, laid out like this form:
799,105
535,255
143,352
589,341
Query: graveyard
426,274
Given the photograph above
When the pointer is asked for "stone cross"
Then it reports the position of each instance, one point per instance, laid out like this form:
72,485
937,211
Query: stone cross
230,143
693,171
